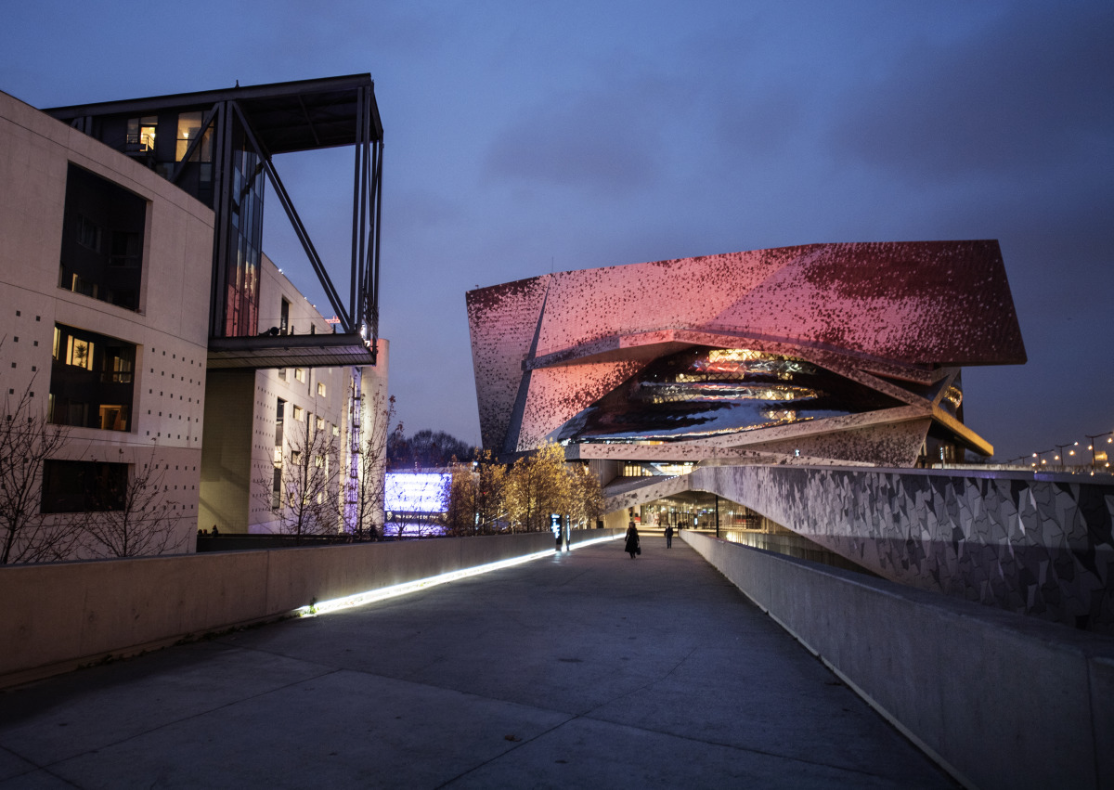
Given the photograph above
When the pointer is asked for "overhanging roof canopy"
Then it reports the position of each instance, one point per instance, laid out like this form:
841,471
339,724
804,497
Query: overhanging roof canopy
286,116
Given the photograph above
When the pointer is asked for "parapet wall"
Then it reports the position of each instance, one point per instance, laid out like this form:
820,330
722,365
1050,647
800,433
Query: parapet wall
60,616
999,699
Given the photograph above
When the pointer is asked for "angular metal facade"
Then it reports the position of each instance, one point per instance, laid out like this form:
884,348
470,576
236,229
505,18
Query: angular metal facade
826,353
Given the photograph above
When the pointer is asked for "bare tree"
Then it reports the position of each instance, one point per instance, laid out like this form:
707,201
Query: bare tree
133,517
364,512
309,485
27,441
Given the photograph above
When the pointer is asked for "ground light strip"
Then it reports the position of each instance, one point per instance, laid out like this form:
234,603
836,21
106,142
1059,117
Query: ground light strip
395,590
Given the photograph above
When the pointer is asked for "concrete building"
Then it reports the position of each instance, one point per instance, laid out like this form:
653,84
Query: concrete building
114,348
117,332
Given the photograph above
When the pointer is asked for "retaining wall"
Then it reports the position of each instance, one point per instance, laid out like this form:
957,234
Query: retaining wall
57,617
999,699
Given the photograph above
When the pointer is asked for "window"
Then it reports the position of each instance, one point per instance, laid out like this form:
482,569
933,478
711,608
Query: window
299,413
336,430
282,374
102,239
127,250
284,317
321,388
79,353
91,380
320,423
88,233
276,489
189,127
300,374
77,486
141,134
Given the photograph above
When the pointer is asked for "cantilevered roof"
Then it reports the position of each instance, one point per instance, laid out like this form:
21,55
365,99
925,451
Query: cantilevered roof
289,351
285,116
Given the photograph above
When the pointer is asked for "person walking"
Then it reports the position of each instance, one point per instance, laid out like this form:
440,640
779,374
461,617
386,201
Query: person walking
669,537
632,546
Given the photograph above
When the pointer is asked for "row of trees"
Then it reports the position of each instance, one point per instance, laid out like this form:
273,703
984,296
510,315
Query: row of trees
485,497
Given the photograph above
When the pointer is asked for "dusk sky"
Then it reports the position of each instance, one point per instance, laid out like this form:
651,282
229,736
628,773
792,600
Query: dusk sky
524,138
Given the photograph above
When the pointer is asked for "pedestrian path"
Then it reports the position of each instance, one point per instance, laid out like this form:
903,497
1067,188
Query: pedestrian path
589,669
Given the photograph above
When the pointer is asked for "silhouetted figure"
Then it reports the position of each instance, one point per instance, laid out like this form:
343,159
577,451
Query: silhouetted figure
632,545
216,531
669,537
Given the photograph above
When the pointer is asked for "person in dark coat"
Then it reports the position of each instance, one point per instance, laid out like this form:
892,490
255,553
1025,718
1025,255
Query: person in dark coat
632,546
669,537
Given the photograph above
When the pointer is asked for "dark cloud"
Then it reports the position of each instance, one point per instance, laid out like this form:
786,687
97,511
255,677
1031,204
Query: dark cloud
1028,91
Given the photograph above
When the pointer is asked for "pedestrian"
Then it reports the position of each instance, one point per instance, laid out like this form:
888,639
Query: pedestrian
632,544
669,537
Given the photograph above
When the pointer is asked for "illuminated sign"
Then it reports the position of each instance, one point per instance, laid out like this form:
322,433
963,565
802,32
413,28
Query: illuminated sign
415,492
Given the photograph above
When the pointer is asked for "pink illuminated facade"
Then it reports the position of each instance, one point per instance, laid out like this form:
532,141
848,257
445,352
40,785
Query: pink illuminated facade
844,354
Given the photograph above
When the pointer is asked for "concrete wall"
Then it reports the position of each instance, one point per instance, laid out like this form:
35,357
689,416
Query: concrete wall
60,616
999,699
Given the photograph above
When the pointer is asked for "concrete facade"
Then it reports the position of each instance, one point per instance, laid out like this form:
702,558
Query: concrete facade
168,329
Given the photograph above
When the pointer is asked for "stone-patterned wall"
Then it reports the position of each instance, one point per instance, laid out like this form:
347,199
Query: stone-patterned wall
1038,546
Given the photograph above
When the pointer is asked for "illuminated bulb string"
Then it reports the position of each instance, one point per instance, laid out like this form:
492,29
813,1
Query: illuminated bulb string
395,590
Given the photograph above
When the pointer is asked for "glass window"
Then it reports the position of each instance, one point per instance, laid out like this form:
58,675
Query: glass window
91,380
76,486
321,388
299,413
189,127
141,134
79,353
300,374
88,233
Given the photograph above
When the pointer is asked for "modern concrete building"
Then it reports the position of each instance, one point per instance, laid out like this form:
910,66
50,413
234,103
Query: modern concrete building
104,282
121,326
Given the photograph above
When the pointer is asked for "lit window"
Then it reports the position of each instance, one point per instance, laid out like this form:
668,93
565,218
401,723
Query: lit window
299,413
79,353
336,430
321,388
320,423
300,374
141,134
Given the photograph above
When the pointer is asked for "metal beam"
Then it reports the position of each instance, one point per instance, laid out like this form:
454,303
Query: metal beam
296,222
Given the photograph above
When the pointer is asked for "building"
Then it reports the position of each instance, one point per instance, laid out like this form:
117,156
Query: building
846,354
141,323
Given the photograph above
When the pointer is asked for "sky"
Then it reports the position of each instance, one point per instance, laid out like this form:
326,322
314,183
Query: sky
524,138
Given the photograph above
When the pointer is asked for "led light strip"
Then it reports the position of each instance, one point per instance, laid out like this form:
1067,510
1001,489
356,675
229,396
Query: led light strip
395,590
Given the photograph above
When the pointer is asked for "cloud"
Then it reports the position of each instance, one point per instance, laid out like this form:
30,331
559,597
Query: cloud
606,143
1029,91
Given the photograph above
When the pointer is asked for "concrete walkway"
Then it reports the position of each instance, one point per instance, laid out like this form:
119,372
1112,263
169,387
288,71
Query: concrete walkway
586,670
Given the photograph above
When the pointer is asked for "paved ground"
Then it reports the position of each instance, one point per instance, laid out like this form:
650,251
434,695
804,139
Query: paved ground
586,670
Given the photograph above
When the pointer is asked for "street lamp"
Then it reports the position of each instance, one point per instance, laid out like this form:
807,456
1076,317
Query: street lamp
1040,461
1091,446
1062,457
